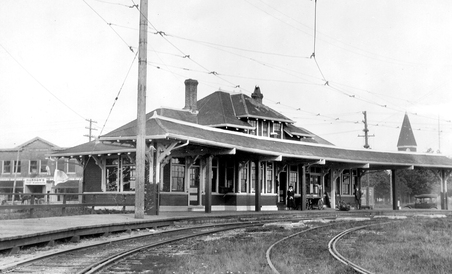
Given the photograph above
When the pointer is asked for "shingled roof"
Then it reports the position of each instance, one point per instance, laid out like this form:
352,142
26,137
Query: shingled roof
159,127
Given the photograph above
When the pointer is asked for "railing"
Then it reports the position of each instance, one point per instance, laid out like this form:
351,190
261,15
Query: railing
32,201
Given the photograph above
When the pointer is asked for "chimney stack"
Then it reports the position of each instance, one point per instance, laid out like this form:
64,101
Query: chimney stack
191,95
257,95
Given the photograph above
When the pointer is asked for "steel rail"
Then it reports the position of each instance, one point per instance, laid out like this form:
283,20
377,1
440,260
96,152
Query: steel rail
333,250
66,251
268,253
100,265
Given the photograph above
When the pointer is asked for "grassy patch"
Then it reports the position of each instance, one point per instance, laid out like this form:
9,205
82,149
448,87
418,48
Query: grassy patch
414,245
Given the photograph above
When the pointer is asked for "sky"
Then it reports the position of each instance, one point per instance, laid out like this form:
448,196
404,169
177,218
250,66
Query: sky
65,62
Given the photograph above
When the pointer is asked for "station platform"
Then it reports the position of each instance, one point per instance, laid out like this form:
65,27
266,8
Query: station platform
17,233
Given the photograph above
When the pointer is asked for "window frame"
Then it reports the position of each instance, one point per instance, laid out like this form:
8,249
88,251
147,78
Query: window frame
17,170
37,167
9,165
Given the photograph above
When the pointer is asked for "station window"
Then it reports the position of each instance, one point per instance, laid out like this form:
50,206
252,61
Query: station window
244,178
128,174
269,177
276,132
177,174
227,182
348,181
6,167
253,123
253,177
265,128
293,178
33,167
193,174
112,176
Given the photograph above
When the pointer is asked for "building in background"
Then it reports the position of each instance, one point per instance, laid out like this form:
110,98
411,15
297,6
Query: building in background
406,142
28,169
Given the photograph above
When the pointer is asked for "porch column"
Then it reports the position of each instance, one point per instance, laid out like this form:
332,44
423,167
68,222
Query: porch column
358,189
150,199
257,187
443,194
333,191
303,187
394,190
446,199
208,184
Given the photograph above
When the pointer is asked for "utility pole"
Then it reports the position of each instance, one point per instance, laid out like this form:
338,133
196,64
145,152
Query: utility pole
90,128
439,136
366,132
141,112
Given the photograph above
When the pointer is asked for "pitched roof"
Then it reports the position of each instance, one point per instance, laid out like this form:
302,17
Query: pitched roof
94,148
217,110
406,137
163,128
29,142
246,107
305,134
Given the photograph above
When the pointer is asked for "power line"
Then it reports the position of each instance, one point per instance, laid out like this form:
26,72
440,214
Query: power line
119,92
120,37
37,81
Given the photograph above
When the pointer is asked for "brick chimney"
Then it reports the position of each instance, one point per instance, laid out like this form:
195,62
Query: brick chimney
191,95
257,95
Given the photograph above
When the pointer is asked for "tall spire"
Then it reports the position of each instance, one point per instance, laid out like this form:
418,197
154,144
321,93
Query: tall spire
406,142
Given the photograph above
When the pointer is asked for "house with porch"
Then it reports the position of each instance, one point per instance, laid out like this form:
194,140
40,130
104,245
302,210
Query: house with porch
229,151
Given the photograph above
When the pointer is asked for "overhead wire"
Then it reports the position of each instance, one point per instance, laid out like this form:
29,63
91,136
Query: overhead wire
109,24
119,92
41,84
163,35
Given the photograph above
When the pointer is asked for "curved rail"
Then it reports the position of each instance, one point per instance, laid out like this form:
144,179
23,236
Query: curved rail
342,259
268,253
339,257
150,234
102,264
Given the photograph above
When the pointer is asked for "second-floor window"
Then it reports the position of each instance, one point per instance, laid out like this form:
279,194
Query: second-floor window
16,167
43,167
6,167
33,169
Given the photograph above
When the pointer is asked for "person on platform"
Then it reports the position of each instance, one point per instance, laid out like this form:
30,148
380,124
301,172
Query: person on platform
291,198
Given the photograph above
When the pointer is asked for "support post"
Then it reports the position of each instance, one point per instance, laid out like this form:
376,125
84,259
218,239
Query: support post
303,188
258,188
208,184
141,112
394,190
444,199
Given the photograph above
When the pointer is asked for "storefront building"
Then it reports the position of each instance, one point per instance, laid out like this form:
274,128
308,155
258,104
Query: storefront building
27,169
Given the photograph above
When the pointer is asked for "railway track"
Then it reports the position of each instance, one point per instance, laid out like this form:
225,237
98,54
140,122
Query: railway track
95,257
319,234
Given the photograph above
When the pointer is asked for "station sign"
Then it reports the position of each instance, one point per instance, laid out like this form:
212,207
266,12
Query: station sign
35,181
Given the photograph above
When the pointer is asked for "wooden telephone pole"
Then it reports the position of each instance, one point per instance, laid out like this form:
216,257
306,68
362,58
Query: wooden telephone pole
141,113
90,128
366,132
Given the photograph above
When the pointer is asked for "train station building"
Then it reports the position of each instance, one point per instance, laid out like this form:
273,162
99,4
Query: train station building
229,151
